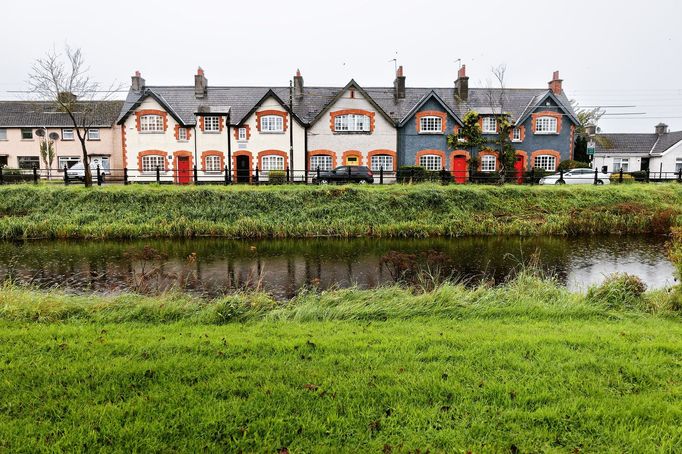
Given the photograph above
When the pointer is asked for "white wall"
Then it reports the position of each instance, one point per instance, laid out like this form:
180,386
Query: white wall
667,161
635,162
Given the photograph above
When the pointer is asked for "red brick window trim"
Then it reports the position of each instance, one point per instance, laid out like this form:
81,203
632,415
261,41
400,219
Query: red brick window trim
311,154
555,115
144,112
247,129
426,126
428,163
265,153
390,153
483,153
521,134
482,119
188,133
212,153
340,113
349,154
221,124
271,112
142,154
536,154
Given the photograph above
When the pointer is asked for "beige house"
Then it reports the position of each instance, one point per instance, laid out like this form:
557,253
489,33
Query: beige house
24,125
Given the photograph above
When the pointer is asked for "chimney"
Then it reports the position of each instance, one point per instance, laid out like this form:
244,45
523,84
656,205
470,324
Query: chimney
298,84
591,130
200,84
399,84
462,84
137,82
661,129
555,83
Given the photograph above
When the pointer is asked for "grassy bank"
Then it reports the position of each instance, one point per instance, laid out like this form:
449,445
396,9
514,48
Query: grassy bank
527,367
390,211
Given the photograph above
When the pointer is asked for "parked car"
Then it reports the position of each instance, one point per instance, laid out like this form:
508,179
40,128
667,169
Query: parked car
576,176
77,171
345,174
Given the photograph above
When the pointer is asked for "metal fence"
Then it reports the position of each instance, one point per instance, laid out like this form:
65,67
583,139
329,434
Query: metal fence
256,176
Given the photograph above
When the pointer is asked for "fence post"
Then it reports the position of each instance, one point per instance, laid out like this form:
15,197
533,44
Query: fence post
158,175
596,176
125,176
381,175
35,175
679,176
227,177
532,176
257,182
196,174
66,176
288,176
620,175
648,175
561,175
99,176
1,177
349,173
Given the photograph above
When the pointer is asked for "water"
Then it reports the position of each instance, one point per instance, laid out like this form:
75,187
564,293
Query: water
282,267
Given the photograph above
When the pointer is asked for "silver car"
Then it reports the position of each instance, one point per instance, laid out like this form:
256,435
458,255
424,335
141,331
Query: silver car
577,176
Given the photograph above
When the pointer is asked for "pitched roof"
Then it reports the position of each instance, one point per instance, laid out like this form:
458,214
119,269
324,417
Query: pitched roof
430,95
667,140
625,143
36,114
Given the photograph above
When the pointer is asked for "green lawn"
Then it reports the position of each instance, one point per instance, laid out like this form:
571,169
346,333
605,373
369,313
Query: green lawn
528,365
424,210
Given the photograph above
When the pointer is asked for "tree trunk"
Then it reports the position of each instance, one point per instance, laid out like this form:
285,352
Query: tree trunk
87,176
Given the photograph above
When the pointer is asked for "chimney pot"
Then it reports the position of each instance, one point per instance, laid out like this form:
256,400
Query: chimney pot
555,85
200,72
298,84
200,84
137,82
661,129
399,84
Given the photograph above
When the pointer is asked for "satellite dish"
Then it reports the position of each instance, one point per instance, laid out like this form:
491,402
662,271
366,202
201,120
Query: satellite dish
40,132
54,136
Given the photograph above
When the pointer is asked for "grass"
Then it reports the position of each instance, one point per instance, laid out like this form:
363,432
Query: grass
47,211
528,367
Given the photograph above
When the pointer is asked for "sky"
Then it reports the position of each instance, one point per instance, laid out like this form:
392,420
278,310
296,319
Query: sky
623,56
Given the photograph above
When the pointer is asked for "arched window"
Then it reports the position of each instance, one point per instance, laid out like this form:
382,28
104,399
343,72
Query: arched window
272,123
151,162
272,162
352,123
384,161
488,163
546,125
545,162
151,123
324,162
431,162
212,163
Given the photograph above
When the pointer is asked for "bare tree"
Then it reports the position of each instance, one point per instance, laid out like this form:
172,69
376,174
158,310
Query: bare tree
497,101
63,80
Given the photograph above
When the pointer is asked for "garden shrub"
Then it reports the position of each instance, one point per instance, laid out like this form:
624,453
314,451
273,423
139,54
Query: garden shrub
627,178
618,291
571,164
277,177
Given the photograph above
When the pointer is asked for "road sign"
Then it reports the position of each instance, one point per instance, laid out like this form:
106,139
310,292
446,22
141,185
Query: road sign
590,148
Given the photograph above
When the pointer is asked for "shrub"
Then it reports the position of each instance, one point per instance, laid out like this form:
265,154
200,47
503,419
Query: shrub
627,178
486,177
16,175
277,177
618,291
640,175
571,164
417,174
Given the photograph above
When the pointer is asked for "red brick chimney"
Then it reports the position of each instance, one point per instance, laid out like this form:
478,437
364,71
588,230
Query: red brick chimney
298,84
137,82
555,83
200,84
399,84
462,84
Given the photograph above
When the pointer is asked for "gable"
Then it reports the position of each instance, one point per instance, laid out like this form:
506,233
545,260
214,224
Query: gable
352,96
547,103
431,103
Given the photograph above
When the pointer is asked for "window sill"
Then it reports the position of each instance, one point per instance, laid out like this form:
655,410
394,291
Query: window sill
152,132
489,133
94,140
516,141
183,140
28,140
546,133
211,132
272,132
356,133
431,133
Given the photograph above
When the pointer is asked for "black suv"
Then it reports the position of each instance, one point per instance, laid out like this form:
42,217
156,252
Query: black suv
345,174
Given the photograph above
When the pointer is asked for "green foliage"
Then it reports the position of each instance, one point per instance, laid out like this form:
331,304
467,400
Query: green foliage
626,179
277,177
618,291
470,135
572,164
580,148
47,152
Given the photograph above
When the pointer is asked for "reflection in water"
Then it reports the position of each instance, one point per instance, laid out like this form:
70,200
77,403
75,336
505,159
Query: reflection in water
282,267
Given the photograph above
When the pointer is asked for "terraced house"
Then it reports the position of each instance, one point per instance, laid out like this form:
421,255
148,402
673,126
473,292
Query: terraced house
248,132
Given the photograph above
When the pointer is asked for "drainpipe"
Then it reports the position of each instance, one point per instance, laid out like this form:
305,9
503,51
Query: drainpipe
305,153
229,149
195,141
291,128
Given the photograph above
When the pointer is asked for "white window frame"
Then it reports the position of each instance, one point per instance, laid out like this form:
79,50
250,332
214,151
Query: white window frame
516,135
546,125
150,162
488,163
182,134
678,165
241,134
3,133
543,162
93,134
272,162
382,160
272,124
489,125
65,160
23,130
323,161
151,123
211,124
621,163
34,159
352,123
431,162
212,163
430,125
68,134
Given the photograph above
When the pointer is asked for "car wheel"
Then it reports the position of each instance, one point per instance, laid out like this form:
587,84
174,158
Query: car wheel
600,182
362,181
323,182
560,182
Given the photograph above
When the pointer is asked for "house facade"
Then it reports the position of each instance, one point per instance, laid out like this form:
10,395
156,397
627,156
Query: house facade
659,153
25,125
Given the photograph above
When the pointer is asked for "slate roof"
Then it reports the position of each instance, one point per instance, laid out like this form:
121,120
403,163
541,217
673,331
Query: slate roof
35,114
241,100
667,140
635,143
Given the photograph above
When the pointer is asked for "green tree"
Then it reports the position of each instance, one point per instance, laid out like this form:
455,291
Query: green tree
47,153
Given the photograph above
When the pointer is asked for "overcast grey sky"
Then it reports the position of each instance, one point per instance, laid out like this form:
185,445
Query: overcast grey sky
624,53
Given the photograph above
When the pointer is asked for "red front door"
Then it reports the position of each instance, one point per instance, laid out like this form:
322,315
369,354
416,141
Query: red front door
459,169
184,171
519,169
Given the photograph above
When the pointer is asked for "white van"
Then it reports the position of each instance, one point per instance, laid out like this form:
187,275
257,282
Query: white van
77,171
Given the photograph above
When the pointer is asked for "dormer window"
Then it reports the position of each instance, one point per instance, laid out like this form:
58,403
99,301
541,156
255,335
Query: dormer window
151,123
352,123
212,124
546,125
271,123
489,125
431,125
